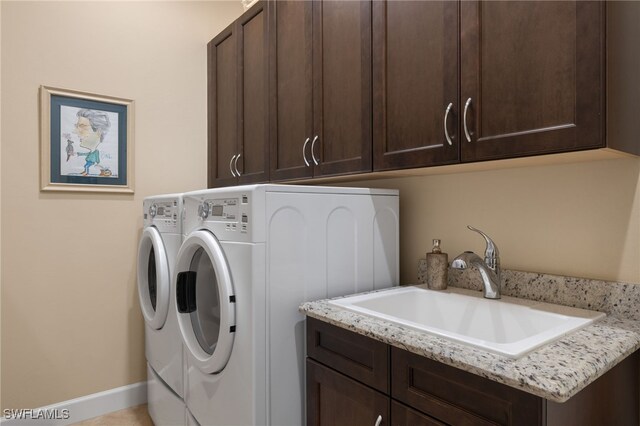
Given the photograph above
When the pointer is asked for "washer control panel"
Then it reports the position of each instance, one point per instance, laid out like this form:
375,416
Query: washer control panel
162,214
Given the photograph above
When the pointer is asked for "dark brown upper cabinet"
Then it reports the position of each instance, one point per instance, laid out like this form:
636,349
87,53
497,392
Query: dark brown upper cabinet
415,84
320,83
238,101
304,89
532,78
222,104
290,87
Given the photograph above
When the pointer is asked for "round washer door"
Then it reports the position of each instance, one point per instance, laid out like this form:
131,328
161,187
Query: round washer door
153,278
205,301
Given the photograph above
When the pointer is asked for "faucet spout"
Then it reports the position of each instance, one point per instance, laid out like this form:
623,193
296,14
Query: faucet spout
490,277
489,267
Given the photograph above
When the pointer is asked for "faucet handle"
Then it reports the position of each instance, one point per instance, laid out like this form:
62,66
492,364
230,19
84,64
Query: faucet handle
491,253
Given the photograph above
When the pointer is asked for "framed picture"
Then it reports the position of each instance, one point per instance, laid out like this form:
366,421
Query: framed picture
86,142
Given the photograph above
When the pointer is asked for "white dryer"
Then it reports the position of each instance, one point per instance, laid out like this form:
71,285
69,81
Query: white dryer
157,252
250,257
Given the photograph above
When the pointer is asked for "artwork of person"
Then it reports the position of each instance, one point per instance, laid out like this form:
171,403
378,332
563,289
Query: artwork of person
89,142
91,128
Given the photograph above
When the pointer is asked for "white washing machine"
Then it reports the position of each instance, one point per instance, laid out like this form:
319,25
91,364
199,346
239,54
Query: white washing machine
251,255
157,252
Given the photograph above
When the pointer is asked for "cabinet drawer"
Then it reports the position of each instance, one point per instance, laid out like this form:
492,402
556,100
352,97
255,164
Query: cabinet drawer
401,415
451,395
336,400
357,356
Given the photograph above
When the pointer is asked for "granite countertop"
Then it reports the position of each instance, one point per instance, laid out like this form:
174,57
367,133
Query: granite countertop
555,371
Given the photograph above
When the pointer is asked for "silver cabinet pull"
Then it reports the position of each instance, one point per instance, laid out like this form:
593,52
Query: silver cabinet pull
464,120
235,165
304,152
313,154
378,420
231,166
446,116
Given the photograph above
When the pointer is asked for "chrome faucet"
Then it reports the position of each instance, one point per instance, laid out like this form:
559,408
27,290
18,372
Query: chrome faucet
489,267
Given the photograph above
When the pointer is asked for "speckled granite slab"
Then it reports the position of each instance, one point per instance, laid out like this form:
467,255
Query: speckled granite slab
621,300
556,371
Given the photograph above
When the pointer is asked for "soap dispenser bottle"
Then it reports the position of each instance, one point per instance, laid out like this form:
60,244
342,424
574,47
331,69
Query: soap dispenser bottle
437,268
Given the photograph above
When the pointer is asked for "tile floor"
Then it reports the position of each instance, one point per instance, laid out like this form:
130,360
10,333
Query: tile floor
135,416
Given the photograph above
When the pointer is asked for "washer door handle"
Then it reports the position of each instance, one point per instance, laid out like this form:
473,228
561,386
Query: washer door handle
186,292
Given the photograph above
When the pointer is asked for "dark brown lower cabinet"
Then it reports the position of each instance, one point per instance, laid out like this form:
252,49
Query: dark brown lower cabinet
339,400
348,383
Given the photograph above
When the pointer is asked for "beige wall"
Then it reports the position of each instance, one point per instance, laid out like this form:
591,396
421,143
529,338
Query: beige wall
580,219
71,324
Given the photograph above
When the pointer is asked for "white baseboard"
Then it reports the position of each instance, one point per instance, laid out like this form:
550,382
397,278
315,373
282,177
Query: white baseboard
83,408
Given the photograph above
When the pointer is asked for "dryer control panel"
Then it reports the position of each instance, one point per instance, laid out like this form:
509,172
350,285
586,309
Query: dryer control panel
228,214
233,212
220,209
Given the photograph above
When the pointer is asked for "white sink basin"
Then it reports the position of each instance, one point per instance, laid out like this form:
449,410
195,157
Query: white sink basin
509,326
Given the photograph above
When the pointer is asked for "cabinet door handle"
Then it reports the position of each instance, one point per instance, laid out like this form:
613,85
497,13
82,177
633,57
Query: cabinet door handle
313,154
378,420
235,165
464,120
231,166
304,152
446,116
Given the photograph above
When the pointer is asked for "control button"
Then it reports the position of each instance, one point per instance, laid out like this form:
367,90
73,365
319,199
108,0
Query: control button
245,199
203,211
153,210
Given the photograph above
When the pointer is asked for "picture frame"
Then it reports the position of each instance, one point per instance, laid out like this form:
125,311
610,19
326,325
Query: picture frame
86,142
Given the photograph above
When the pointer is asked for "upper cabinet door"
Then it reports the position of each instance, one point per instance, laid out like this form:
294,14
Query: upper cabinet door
341,140
532,77
290,84
222,108
253,99
415,83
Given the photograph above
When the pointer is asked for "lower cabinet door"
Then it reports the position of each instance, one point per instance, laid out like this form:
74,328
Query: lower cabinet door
335,400
401,415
